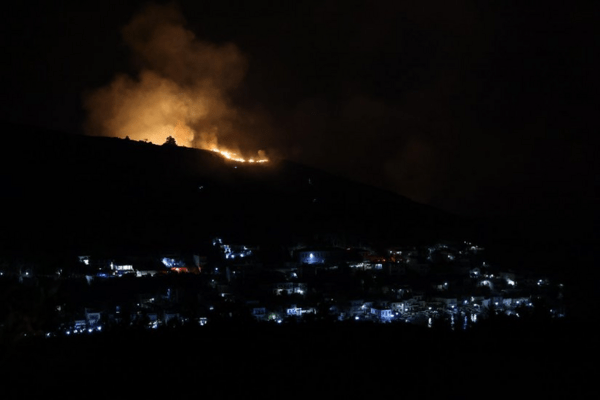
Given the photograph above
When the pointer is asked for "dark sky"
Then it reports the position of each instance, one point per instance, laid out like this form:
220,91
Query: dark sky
477,107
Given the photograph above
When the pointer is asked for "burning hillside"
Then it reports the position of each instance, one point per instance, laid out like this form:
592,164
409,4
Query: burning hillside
236,157
182,90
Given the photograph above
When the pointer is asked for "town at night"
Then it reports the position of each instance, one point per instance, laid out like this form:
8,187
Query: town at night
447,285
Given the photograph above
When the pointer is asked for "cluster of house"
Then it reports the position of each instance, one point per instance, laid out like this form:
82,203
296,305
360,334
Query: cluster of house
418,285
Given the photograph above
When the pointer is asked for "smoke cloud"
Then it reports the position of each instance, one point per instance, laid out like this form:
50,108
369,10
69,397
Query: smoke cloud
182,88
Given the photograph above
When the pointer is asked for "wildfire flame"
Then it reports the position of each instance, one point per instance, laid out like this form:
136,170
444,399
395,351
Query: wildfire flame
230,155
181,94
236,157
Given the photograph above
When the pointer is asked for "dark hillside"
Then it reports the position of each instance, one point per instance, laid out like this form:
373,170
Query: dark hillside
298,361
90,193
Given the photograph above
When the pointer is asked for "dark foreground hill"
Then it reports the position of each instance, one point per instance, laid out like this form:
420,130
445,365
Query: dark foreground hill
304,361
79,193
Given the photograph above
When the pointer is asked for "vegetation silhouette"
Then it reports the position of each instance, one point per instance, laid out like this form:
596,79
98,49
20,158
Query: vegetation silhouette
170,141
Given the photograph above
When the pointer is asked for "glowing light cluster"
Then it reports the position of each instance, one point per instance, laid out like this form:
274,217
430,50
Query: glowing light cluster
236,157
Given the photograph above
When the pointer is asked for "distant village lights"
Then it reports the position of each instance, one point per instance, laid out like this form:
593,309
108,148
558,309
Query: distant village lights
443,302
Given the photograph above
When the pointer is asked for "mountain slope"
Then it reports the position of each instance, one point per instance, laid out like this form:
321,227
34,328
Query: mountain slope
78,192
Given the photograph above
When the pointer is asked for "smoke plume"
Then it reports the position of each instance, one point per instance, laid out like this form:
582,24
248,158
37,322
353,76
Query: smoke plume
182,88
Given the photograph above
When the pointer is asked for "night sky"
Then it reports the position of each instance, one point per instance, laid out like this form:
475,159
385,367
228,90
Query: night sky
479,108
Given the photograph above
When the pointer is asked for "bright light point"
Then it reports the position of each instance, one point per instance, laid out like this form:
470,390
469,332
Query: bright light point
312,255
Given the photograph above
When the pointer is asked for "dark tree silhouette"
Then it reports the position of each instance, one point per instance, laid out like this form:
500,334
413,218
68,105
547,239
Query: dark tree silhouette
170,141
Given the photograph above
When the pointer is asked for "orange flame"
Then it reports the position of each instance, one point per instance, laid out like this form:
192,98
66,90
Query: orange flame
236,157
